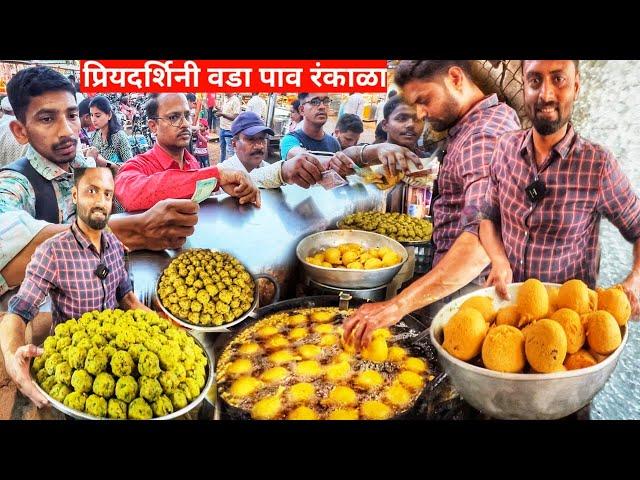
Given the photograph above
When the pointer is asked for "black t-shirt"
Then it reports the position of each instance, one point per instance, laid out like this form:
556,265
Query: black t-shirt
327,144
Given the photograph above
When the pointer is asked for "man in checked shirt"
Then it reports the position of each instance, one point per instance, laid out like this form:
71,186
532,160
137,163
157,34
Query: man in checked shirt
445,95
82,269
550,188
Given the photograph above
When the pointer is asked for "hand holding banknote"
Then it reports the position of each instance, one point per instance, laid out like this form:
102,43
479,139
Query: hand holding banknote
238,184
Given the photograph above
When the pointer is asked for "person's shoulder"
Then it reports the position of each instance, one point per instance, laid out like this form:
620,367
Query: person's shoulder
591,151
14,182
54,243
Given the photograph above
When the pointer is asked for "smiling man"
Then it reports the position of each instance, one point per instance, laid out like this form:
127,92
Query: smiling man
82,270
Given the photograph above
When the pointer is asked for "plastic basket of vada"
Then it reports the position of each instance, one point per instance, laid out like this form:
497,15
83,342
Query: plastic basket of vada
122,365
291,364
542,355
351,258
208,290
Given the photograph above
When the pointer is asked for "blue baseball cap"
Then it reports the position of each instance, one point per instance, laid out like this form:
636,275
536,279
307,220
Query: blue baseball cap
250,124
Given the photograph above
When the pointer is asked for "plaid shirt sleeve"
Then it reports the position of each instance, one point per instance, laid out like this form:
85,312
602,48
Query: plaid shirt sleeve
476,174
124,286
38,281
617,200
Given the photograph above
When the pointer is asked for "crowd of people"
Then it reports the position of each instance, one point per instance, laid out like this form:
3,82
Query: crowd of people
510,203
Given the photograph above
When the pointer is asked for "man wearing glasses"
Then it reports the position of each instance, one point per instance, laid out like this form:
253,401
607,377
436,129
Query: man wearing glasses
168,170
314,108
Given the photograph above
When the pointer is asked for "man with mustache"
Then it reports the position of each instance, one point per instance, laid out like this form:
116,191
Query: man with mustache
168,170
250,144
35,191
552,233
445,95
82,269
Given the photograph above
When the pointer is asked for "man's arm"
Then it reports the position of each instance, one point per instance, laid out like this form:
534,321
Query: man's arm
393,157
501,274
631,284
140,189
131,302
463,262
16,356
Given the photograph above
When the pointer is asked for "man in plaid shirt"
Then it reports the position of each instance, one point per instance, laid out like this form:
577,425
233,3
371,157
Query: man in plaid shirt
82,269
445,94
550,187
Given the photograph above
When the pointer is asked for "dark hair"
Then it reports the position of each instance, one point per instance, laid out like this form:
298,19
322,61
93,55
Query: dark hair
102,104
151,107
380,134
296,105
576,63
391,94
83,107
391,105
302,96
33,82
350,122
191,97
427,69
79,172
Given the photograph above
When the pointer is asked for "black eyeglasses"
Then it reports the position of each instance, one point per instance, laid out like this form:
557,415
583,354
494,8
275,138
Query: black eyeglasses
317,101
175,119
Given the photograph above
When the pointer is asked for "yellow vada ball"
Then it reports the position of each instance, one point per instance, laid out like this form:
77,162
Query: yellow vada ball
296,320
546,346
301,392
309,352
597,356
415,364
482,304
282,356
338,371
372,264
267,331
303,413
333,255
377,350
552,291
396,354
346,247
308,368
349,256
323,328
391,258
574,294
326,265
593,300
276,341
464,334
572,326
240,366
503,349
381,333
275,374
322,316
267,409
397,395
411,380
344,414
244,386
328,340
616,302
508,315
369,380
342,396
532,301
579,359
355,266
603,332
375,410
298,333
347,346
343,357
249,348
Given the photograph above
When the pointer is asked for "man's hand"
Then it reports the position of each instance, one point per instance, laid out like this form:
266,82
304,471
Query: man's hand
396,158
359,327
17,366
168,223
341,164
303,170
501,275
631,287
91,152
239,184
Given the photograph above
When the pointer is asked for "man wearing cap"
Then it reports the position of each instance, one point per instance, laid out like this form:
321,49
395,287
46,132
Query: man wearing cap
168,170
10,148
250,143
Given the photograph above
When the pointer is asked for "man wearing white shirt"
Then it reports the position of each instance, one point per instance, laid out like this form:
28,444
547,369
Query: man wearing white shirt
355,105
230,110
258,106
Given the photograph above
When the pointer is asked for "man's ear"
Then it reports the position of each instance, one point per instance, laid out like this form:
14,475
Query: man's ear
19,131
74,195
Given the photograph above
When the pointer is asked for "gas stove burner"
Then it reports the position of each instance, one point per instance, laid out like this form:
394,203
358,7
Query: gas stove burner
376,294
